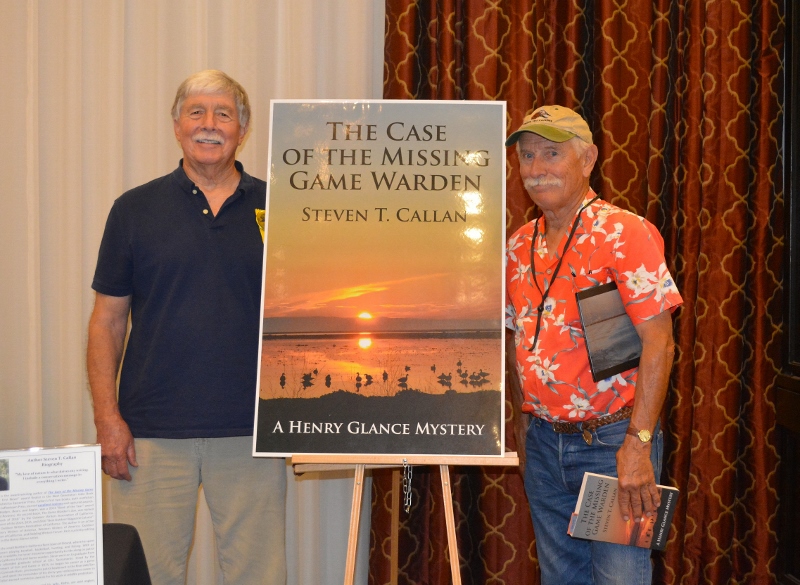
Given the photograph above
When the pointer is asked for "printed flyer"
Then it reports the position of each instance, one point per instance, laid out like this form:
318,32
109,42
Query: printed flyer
383,284
51,525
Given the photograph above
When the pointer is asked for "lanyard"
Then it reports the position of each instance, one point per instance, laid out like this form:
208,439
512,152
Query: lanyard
540,308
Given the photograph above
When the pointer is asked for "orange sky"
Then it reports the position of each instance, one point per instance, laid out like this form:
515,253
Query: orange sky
376,262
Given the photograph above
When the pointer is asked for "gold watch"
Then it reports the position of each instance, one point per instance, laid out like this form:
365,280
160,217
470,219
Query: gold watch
644,435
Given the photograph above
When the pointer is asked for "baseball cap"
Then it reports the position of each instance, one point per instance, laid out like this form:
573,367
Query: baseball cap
555,123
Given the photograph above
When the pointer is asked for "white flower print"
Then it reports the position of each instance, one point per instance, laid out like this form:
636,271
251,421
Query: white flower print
521,374
665,283
542,411
520,271
640,282
511,318
549,306
604,385
579,407
513,243
543,369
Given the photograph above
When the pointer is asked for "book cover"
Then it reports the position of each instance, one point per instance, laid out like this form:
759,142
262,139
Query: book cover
597,515
382,298
611,339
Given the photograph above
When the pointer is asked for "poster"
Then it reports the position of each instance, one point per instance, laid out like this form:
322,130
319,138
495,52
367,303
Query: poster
51,527
383,289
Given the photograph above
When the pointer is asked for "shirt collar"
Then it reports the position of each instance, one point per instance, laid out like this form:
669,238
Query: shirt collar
186,184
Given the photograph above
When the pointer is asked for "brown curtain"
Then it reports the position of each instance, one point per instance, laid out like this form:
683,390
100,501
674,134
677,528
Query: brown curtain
685,101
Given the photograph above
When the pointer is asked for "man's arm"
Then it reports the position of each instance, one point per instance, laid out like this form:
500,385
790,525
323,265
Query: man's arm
520,420
637,483
107,328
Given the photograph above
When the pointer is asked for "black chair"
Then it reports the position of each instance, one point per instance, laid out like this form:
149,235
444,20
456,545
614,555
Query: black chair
124,562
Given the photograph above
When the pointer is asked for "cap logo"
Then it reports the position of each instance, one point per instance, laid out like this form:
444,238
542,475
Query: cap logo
540,114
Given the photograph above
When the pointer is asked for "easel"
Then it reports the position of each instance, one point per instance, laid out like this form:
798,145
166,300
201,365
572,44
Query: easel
309,463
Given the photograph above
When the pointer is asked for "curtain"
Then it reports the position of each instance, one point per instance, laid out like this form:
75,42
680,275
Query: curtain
87,90
685,102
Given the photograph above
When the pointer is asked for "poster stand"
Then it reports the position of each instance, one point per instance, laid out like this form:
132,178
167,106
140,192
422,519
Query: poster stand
317,462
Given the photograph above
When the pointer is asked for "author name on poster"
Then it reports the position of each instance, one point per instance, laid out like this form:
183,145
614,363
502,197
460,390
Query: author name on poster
362,428
382,214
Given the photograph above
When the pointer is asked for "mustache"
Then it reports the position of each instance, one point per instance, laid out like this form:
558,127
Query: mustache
208,136
532,182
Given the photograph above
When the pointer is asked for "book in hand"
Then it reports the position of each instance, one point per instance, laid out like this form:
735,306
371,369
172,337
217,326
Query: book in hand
597,515
611,339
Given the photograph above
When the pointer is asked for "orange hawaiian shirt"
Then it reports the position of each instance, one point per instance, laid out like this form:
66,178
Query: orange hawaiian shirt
609,244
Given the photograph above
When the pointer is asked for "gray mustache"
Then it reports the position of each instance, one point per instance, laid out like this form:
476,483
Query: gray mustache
212,137
531,182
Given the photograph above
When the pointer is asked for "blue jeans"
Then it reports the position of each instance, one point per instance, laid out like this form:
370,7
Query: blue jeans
553,475
246,497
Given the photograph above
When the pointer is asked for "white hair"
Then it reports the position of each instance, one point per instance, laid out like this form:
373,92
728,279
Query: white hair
213,81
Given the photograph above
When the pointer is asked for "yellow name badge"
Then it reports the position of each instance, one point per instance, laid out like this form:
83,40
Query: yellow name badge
260,213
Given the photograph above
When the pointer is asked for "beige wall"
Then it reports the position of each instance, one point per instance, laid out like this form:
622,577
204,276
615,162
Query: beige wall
84,115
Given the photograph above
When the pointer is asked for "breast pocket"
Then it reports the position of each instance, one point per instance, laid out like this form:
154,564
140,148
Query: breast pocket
582,282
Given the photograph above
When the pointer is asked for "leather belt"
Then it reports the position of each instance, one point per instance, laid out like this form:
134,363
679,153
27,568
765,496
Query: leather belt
586,428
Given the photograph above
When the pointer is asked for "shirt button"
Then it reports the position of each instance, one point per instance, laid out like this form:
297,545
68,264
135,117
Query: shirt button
549,271
205,211
194,191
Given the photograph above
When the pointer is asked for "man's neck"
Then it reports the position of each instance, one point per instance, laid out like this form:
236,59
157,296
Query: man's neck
217,184
558,222
213,178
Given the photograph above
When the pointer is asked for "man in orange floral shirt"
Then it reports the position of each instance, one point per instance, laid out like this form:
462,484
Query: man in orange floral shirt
608,426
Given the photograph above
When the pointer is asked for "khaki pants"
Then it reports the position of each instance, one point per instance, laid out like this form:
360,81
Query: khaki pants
246,497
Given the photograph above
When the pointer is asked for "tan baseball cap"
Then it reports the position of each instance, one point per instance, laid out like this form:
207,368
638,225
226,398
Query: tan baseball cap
555,123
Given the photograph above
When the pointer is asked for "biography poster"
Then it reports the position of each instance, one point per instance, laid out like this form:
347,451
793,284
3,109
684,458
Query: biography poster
383,289
51,525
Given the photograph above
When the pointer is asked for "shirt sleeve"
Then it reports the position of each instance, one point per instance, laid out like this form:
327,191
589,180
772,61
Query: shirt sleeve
645,284
516,270
113,275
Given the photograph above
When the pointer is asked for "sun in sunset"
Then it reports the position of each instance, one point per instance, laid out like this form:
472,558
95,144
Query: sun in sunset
364,315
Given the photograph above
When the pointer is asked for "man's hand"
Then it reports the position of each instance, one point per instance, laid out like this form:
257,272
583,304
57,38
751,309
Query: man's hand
116,447
638,494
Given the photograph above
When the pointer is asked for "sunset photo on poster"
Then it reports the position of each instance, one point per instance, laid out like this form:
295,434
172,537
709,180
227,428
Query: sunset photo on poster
383,288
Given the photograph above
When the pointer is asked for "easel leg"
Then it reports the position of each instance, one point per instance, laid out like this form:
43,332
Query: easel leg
447,496
395,553
355,516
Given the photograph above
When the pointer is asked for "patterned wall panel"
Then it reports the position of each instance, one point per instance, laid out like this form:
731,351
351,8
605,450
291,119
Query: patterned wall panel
684,100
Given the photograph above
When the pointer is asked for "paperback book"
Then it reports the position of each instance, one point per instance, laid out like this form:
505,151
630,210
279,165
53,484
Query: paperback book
597,515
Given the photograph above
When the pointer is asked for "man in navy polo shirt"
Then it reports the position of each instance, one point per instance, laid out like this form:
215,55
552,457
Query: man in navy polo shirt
182,255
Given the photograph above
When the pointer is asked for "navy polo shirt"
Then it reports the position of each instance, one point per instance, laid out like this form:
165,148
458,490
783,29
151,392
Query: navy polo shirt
195,283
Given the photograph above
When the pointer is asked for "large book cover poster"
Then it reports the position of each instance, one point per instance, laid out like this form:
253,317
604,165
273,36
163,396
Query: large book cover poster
383,279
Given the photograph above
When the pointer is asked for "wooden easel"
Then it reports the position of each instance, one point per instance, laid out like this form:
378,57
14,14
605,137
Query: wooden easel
309,463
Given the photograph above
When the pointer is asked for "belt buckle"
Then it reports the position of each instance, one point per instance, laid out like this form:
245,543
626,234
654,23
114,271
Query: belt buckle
587,436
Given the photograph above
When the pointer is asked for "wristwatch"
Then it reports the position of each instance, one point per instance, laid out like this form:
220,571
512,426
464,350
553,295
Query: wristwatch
644,435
